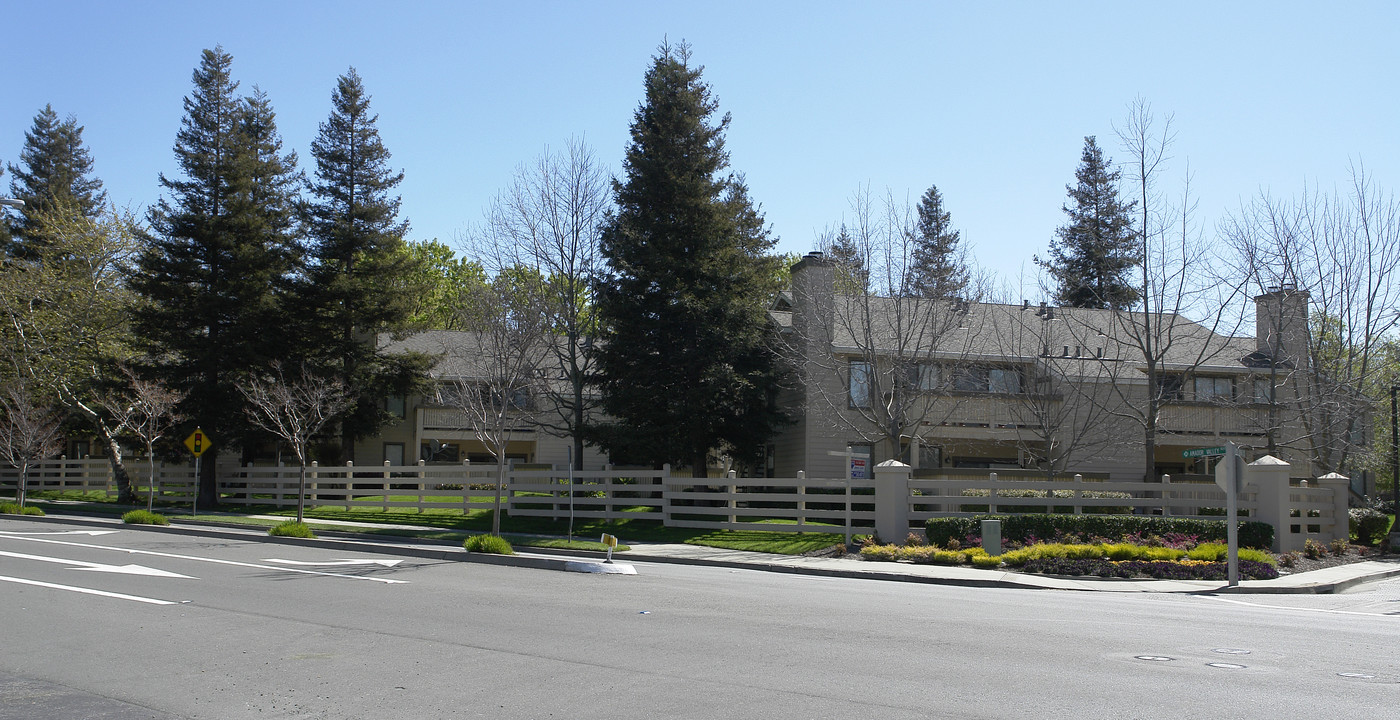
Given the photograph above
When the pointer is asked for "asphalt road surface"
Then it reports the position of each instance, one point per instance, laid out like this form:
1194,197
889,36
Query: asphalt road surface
133,624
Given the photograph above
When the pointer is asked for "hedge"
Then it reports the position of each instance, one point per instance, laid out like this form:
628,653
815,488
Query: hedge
1021,528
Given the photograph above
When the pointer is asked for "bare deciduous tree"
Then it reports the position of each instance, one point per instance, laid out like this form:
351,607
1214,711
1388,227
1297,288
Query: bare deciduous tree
548,219
28,430
1338,258
866,347
498,386
294,410
1175,282
153,412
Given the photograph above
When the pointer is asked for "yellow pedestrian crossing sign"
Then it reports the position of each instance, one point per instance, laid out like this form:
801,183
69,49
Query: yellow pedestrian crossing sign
198,442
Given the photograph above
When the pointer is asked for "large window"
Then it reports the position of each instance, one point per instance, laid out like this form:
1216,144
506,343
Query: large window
860,384
1214,389
1263,390
981,378
1169,387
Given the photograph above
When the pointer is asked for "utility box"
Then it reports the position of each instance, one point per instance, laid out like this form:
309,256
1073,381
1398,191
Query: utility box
991,536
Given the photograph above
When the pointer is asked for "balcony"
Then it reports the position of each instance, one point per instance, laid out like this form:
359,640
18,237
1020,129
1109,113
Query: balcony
1217,420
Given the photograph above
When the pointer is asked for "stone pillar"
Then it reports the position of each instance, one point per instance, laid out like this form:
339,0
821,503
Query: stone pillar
1269,475
1340,485
892,500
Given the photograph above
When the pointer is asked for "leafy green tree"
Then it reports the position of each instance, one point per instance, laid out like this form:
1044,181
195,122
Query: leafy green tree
683,367
939,269
55,168
356,261
436,285
216,268
1094,251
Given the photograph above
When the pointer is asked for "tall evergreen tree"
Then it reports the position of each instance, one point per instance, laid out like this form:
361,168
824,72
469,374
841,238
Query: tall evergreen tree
55,168
214,272
1093,252
357,261
683,368
853,277
938,270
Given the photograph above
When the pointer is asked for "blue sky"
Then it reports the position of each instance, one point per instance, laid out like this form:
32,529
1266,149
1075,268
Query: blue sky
989,101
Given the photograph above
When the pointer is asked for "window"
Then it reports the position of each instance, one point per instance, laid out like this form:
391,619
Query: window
1169,387
393,453
394,405
860,384
1213,389
970,379
1004,380
923,377
1263,390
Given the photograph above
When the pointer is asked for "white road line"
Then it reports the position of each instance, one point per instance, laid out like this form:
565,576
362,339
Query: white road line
386,581
99,567
1301,609
60,532
87,591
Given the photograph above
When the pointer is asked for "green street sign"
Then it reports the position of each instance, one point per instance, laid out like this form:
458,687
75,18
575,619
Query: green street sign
1203,452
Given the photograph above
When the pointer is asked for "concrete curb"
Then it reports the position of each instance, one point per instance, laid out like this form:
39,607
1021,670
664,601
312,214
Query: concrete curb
448,551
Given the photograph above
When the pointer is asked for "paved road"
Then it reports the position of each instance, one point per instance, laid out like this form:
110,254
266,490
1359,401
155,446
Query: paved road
140,625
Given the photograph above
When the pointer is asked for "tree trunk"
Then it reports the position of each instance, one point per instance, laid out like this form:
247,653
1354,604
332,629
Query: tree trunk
500,481
126,492
700,464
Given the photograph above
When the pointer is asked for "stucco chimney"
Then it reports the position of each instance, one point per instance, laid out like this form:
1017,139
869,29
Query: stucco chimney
1281,325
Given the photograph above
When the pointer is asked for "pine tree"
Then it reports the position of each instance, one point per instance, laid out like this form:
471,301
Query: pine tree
683,367
357,261
1093,252
55,169
853,278
214,273
938,269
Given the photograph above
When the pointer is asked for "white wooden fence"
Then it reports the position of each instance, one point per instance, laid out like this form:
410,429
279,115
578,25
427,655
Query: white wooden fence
1305,510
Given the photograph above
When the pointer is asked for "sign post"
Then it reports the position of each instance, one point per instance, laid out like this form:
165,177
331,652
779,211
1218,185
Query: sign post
851,458
1229,475
197,442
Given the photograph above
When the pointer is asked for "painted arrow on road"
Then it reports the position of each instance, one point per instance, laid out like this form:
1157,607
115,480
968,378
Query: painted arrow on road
99,567
384,563
93,533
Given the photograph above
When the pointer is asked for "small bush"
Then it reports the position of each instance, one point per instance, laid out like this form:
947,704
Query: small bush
914,540
1313,550
871,551
10,508
492,544
1288,559
1369,525
291,528
144,517
1340,546
986,562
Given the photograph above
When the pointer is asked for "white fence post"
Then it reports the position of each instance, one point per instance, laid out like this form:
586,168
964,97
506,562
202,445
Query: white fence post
892,500
992,494
1270,475
1339,485
1078,494
1167,495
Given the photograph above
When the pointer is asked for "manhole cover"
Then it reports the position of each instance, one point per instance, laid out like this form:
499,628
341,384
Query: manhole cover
1363,676
1226,666
1155,658
1231,651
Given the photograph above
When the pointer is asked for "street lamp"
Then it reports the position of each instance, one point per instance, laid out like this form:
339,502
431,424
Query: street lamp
11,202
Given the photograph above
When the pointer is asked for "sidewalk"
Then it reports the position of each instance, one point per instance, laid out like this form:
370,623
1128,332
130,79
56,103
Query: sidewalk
1328,580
